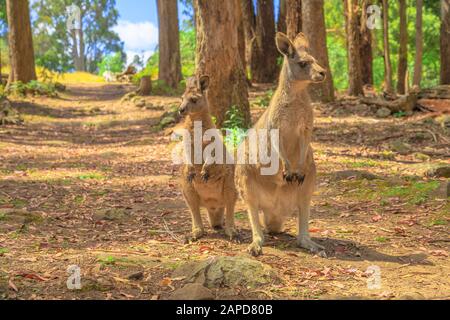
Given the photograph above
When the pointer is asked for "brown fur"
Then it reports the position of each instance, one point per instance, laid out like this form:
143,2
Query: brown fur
290,111
206,185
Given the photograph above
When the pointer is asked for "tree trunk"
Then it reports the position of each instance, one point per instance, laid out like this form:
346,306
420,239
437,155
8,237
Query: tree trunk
281,24
403,50
169,43
218,56
264,61
145,86
365,45
21,51
445,41
241,39
355,87
387,55
293,18
249,21
419,45
313,25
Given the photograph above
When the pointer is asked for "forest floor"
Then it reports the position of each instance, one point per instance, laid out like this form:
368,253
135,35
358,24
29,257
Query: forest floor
89,181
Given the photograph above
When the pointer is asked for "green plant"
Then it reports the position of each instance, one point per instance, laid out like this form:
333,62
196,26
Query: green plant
33,87
235,127
264,100
112,63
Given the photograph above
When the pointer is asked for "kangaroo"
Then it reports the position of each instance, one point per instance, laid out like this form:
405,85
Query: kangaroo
210,185
291,188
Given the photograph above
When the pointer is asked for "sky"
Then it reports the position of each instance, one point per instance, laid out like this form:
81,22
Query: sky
138,26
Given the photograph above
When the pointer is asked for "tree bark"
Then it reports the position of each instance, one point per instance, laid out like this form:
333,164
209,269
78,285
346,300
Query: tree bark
249,22
218,56
387,55
355,87
281,24
445,41
403,50
293,18
264,60
365,45
21,51
169,43
145,86
241,39
313,25
419,45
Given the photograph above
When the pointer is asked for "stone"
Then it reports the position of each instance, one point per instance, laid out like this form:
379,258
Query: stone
140,103
227,271
383,112
167,121
439,171
192,291
358,174
400,147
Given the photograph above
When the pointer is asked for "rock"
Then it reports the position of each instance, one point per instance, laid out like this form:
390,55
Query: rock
8,115
192,291
440,171
346,174
110,214
227,271
167,121
443,192
400,147
136,275
383,112
4,287
443,121
140,103
60,87
411,296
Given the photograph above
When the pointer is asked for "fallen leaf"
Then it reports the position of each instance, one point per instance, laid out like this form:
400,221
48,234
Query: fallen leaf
12,285
376,218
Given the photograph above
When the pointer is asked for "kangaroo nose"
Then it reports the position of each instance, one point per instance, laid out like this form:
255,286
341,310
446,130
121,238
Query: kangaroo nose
322,73
182,111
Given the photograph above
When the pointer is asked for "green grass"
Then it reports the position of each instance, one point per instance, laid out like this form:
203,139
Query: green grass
381,239
3,250
91,176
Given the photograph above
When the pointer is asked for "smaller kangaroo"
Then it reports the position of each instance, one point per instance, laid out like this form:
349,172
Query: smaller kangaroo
291,188
209,184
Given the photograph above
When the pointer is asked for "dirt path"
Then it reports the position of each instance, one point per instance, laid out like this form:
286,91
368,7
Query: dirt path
87,181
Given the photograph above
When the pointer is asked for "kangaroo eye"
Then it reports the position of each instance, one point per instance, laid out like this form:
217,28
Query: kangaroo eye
193,99
303,64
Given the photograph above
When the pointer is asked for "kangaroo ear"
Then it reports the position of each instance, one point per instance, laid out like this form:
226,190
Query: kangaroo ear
301,42
284,45
203,82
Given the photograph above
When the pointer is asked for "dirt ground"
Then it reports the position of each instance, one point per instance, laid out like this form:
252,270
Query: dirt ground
88,181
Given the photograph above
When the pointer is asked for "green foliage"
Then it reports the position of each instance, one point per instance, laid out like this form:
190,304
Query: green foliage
264,100
33,87
53,44
235,127
111,62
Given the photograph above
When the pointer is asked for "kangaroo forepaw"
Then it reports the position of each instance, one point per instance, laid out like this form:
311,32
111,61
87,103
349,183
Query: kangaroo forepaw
205,176
300,178
191,177
255,249
288,177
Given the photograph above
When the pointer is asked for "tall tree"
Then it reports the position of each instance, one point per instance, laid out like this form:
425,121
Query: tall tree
387,55
21,53
281,23
218,56
264,61
56,50
313,26
353,46
403,50
445,41
419,44
293,18
365,42
249,23
169,43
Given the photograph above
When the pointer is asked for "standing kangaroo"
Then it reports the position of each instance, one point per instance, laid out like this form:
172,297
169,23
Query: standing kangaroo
291,188
206,184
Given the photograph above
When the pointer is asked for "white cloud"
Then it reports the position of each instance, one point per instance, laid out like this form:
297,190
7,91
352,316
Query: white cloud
138,36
